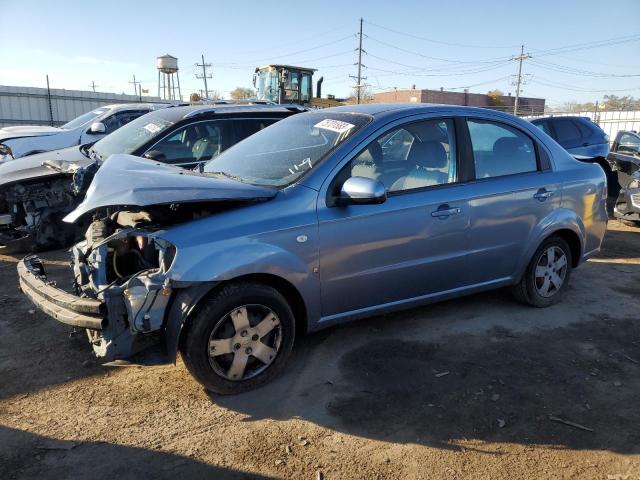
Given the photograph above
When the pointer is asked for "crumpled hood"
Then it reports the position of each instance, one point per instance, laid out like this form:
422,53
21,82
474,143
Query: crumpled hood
125,180
30,167
28,131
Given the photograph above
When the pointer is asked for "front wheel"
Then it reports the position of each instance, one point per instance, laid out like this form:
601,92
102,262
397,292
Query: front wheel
547,275
240,338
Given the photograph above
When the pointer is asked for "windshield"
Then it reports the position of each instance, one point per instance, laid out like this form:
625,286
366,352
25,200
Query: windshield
267,85
132,136
86,118
282,153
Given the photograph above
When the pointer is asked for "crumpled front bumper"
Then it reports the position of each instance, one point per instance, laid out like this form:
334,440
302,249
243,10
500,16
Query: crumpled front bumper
69,309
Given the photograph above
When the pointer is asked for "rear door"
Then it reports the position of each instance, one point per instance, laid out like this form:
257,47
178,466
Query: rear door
514,190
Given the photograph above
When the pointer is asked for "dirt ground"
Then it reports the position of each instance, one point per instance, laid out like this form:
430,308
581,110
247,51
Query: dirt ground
463,389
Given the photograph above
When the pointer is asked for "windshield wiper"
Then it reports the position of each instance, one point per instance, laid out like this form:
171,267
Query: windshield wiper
225,174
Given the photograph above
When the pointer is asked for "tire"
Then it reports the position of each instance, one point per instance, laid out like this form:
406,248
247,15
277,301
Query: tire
216,324
531,288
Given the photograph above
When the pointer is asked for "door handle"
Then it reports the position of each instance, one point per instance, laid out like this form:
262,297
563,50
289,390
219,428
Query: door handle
444,211
585,144
542,194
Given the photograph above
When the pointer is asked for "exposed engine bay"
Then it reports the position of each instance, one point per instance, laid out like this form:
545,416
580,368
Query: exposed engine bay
31,214
124,264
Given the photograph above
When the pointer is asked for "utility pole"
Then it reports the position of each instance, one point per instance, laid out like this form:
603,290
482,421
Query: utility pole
359,77
135,85
520,58
93,86
204,75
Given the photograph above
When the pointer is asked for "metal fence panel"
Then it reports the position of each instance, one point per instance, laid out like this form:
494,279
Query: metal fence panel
30,105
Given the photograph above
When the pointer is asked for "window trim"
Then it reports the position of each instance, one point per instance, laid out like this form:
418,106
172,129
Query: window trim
541,166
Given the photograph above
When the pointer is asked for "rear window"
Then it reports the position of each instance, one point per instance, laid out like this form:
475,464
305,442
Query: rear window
566,131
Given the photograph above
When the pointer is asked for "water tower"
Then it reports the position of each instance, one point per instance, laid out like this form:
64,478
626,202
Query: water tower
168,79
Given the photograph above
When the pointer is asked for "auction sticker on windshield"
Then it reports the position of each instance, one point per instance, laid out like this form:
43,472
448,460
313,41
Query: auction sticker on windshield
152,127
337,126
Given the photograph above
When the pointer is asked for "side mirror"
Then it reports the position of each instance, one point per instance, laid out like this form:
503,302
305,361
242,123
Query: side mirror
97,128
155,155
363,191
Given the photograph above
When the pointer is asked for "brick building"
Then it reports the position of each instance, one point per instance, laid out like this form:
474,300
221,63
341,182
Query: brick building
528,106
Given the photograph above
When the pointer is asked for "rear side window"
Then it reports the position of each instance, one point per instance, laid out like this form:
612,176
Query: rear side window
544,126
566,131
499,149
246,128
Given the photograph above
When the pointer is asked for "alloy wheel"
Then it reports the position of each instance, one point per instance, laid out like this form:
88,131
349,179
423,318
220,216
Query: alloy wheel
550,272
245,342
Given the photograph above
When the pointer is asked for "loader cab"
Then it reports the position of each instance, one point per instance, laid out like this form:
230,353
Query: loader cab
284,84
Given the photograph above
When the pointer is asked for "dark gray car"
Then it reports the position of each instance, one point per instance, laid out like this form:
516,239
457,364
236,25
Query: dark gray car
37,191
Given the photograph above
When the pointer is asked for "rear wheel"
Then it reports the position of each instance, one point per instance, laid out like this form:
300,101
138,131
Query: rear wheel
547,275
240,338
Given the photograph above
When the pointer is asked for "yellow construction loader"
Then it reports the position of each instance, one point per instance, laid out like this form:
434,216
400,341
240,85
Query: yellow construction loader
289,84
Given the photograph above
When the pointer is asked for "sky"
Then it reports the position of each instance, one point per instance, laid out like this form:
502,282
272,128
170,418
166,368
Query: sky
580,50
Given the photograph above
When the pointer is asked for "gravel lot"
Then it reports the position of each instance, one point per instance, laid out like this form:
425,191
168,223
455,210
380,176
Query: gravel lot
459,389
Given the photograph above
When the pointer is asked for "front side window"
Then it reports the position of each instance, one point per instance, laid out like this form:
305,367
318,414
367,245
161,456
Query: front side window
417,155
499,149
281,154
194,143
629,142
120,119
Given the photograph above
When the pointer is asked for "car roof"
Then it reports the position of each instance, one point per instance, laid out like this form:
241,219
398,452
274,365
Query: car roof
141,105
392,109
570,117
176,114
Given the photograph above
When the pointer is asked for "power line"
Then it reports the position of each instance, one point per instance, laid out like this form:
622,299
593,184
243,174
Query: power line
437,41
588,45
448,60
578,71
549,83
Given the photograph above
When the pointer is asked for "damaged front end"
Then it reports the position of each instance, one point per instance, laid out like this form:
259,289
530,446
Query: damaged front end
121,288
31,210
127,271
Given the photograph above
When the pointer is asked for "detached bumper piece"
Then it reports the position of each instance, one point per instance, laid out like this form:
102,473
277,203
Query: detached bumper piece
64,307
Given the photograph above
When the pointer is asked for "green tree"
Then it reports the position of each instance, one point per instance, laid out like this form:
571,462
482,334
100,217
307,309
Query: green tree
241,93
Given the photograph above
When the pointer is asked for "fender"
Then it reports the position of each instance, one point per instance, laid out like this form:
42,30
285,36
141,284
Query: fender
559,219
214,267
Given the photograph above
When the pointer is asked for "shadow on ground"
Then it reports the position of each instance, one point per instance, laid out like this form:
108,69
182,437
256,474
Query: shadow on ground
26,456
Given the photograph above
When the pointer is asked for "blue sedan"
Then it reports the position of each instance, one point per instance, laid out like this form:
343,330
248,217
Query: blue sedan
324,217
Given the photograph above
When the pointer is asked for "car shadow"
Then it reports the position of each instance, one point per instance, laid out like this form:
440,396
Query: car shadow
26,455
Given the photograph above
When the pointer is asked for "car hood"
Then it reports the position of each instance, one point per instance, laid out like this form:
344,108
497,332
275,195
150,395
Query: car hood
31,167
28,131
126,181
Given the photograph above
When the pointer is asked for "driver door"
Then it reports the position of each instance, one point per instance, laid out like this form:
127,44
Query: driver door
408,248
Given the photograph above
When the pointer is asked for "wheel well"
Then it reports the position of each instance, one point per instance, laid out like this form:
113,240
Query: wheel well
573,240
288,291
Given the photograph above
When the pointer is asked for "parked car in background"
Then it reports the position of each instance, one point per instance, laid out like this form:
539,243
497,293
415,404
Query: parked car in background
624,159
324,217
583,139
20,141
38,191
